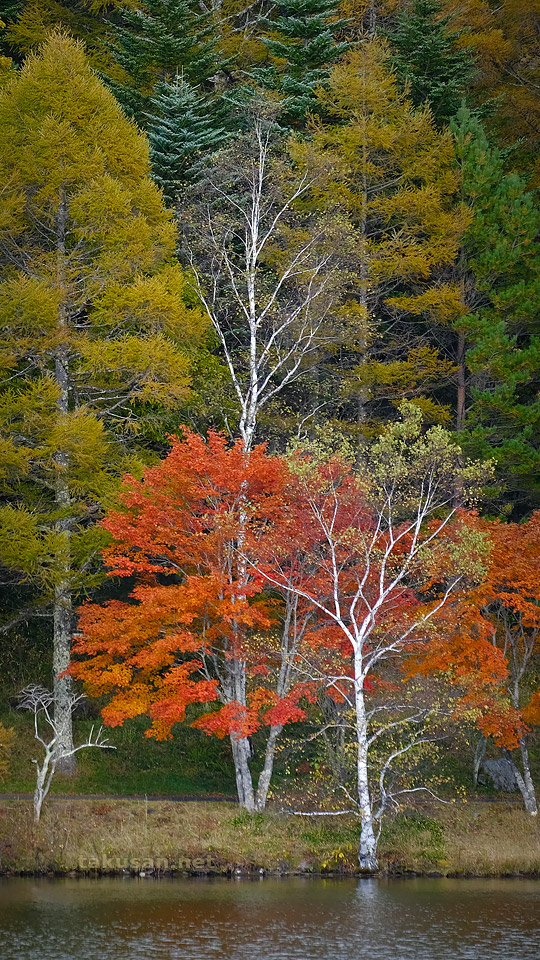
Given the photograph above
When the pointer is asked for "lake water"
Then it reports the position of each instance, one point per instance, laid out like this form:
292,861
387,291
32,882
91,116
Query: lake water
289,919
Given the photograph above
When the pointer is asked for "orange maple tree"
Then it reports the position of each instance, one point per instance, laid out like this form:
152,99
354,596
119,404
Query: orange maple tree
198,626
492,645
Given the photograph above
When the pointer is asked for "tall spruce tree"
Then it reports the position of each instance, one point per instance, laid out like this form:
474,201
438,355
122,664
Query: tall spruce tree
182,131
301,38
428,59
95,326
159,40
500,331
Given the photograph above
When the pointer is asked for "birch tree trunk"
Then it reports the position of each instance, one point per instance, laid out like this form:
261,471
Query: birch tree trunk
367,853
241,751
524,780
267,770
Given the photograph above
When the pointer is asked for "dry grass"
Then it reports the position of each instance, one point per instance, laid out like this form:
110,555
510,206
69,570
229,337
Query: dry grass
475,838
492,838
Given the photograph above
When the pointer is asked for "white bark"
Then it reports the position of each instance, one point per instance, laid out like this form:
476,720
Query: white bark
520,644
358,577
367,852
281,320
40,701
524,778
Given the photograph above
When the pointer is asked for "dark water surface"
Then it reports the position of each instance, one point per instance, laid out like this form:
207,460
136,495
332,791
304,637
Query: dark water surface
270,919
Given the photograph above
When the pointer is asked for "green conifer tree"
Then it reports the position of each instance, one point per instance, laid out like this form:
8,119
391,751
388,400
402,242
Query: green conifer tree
182,131
500,333
96,327
301,38
428,59
158,40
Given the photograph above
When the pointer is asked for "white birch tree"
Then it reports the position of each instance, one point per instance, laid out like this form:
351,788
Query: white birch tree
380,560
270,277
269,273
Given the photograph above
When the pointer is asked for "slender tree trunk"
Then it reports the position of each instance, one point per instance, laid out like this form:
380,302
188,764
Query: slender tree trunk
267,770
524,780
461,383
364,268
479,754
63,685
39,795
241,751
530,799
370,18
62,617
367,853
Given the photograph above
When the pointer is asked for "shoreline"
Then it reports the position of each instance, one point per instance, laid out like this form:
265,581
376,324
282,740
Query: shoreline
257,874
105,837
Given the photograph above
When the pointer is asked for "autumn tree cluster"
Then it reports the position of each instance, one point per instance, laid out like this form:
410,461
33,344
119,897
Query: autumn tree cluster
269,364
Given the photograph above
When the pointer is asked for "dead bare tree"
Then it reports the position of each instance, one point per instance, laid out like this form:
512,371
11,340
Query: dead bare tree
39,701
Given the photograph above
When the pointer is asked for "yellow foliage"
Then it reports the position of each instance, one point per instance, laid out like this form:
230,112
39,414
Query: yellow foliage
6,739
98,325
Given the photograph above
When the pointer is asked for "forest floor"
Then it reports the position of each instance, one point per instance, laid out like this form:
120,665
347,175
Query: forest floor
110,835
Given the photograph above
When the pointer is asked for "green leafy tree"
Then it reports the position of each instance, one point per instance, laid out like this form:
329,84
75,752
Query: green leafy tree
160,40
499,406
182,132
428,59
95,327
301,38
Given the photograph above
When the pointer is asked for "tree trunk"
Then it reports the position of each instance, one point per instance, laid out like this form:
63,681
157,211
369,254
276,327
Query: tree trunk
63,685
524,780
367,853
461,383
266,772
370,18
479,754
62,618
241,751
38,798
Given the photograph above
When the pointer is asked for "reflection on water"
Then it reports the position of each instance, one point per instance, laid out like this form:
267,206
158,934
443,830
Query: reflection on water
292,919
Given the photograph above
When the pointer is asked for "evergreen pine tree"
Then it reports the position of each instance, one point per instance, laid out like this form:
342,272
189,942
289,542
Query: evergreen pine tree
301,41
182,131
428,59
500,331
159,40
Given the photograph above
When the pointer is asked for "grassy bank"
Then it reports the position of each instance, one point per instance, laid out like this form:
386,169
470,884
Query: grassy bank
474,838
190,763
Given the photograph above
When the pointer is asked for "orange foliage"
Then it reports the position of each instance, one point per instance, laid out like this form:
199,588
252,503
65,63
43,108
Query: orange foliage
492,635
187,533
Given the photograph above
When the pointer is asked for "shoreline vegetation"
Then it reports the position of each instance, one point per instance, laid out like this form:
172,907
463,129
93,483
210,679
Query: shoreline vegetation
107,836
